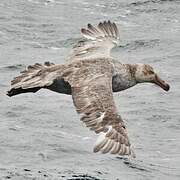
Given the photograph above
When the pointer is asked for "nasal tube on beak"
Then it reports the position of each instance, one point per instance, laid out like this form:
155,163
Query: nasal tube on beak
161,83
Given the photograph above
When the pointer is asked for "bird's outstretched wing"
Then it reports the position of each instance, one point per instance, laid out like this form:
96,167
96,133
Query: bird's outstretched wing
37,76
98,43
93,98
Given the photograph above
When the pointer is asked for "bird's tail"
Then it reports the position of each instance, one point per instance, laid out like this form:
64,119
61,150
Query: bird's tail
29,80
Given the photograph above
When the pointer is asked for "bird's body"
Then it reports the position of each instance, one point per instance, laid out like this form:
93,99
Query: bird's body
122,74
91,76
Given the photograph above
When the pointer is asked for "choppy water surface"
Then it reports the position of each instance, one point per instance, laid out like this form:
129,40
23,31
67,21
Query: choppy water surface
41,136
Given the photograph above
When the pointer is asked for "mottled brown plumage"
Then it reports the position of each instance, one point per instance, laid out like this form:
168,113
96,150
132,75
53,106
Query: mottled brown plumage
92,94
91,76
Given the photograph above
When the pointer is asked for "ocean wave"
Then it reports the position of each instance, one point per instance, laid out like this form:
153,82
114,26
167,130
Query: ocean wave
82,177
31,173
140,3
134,45
56,45
13,67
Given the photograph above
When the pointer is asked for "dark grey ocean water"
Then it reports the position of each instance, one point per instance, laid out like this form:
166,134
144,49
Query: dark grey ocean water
41,136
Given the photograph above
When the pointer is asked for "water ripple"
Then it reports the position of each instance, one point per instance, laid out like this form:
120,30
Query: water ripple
134,45
13,67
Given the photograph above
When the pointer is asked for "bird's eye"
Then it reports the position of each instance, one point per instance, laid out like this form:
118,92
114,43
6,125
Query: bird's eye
151,72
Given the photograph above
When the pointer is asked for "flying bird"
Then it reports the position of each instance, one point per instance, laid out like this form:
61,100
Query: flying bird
91,76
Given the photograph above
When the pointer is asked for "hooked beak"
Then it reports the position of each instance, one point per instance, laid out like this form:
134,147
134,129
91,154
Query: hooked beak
158,81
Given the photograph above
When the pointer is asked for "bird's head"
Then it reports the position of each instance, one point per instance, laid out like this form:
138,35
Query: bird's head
145,73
